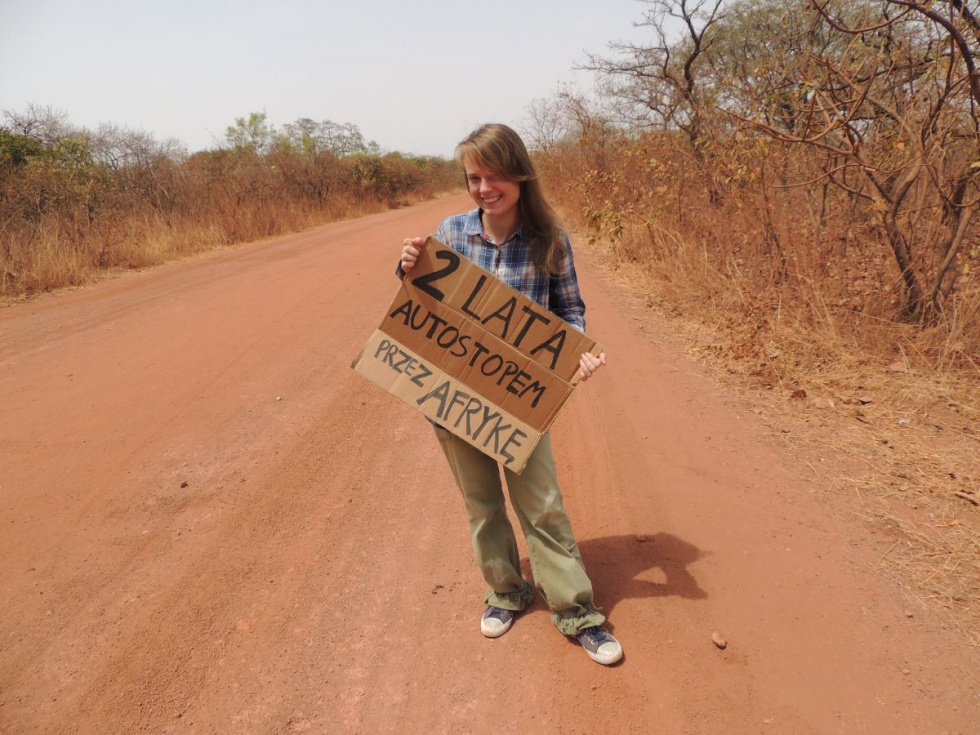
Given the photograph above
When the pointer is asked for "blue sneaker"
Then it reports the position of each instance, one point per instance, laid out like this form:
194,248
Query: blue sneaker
496,621
601,645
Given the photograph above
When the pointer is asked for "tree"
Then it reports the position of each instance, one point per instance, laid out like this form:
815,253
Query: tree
666,84
16,150
43,123
303,136
252,134
341,139
891,107
119,147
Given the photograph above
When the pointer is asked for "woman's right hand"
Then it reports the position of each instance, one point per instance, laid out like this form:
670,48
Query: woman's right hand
411,250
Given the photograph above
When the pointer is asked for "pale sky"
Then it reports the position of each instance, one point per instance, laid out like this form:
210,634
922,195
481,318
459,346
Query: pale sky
414,76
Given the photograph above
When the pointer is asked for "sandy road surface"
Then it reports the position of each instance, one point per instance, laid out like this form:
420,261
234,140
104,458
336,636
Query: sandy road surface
209,523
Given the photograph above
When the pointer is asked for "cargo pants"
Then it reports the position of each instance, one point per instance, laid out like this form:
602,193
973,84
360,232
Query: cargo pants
556,564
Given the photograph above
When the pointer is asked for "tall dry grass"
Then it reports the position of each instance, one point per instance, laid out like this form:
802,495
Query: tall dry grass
67,216
736,233
798,302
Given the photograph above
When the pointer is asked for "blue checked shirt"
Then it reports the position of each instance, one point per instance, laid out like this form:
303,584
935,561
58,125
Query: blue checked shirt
512,264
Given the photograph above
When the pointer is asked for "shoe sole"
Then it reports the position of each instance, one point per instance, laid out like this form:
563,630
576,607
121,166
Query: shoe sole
496,632
606,660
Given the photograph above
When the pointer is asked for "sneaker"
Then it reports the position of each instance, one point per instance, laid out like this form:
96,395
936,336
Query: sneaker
496,621
601,645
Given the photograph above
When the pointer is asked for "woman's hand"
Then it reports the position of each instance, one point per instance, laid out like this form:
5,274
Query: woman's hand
411,249
589,363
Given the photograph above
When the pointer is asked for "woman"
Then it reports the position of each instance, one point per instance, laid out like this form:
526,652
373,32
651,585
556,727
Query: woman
513,235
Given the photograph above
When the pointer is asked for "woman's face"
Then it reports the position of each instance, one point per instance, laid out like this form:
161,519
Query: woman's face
496,196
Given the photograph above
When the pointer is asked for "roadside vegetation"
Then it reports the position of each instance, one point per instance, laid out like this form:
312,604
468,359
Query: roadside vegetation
794,183
77,203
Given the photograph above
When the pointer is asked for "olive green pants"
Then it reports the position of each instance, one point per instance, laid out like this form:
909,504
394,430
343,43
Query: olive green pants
556,564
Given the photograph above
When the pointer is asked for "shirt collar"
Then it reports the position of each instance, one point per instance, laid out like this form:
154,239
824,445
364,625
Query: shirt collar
474,226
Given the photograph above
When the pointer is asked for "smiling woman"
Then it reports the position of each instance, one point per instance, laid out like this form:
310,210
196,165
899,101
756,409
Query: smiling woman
496,196
502,181
513,235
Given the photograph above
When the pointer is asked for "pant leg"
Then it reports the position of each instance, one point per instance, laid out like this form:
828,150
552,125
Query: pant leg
556,563
494,544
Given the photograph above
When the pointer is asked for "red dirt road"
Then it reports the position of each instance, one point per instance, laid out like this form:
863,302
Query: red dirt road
211,524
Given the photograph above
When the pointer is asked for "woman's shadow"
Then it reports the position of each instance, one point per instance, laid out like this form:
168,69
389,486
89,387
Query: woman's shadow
615,563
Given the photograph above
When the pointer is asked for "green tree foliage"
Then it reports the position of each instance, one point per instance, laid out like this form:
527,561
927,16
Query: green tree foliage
341,139
16,150
252,134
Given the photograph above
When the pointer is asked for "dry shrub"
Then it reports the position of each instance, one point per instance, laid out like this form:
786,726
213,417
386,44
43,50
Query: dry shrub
795,299
66,216
731,233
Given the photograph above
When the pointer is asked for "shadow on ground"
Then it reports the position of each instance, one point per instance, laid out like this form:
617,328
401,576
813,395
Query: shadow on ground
638,566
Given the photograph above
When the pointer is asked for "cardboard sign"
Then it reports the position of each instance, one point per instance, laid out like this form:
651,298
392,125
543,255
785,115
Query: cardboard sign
474,355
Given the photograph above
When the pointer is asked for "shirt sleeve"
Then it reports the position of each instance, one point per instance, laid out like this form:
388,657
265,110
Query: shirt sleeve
442,233
564,295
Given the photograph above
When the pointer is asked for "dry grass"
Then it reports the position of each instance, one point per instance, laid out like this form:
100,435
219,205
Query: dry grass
886,413
52,261
66,222
897,440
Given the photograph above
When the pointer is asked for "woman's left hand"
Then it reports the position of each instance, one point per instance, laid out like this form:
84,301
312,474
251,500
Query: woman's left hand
589,363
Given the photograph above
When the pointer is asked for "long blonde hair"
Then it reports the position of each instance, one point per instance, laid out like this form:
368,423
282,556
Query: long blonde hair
500,150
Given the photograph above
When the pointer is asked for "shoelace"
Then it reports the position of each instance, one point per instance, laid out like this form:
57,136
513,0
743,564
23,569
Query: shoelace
597,634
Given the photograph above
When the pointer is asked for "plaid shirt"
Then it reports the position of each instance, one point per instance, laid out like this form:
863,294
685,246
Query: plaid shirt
512,264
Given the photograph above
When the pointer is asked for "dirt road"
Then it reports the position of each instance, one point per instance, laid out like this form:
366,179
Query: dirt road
211,524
